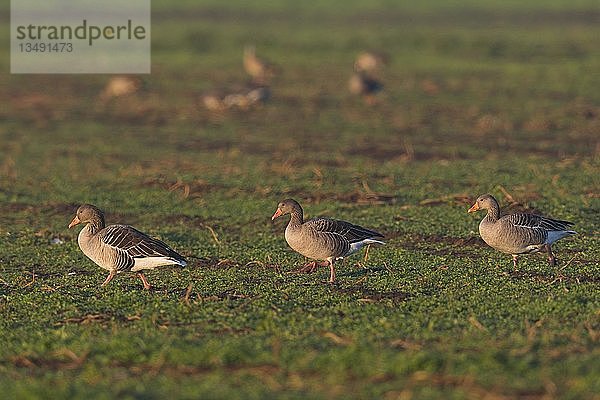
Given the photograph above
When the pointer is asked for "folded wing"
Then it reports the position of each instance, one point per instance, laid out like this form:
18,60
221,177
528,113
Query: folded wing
350,232
131,244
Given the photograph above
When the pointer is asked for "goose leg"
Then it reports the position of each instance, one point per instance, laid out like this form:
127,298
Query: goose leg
331,271
551,258
515,258
367,253
311,267
308,268
109,278
144,280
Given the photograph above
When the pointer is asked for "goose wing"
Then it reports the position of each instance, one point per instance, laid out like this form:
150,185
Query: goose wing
350,232
537,222
127,240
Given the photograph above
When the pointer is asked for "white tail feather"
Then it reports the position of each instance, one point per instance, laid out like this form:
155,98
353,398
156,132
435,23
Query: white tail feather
153,262
354,247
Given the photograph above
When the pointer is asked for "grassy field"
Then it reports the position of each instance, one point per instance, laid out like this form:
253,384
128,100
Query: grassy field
495,96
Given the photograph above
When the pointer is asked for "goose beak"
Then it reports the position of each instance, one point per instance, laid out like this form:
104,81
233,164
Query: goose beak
277,214
74,222
473,208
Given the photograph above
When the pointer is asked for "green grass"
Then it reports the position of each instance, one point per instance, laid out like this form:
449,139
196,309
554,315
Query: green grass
497,97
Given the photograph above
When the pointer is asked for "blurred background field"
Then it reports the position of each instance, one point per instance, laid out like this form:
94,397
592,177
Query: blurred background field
478,96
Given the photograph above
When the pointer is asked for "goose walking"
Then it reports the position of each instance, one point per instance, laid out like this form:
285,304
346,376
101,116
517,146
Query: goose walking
323,239
519,233
119,248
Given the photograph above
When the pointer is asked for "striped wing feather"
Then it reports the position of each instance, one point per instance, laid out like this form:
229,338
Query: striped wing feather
350,232
533,221
135,244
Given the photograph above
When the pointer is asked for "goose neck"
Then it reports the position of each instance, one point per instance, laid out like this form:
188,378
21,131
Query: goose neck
493,213
296,218
94,226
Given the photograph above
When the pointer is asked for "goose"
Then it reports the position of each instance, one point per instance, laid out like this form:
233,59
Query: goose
519,233
119,86
119,248
240,98
260,70
323,239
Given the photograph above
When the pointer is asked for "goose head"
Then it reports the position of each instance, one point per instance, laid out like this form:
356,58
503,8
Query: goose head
87,213
287,206
483,202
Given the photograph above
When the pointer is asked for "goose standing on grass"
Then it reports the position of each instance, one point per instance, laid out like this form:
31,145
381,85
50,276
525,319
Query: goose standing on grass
520,233
322,238
119,248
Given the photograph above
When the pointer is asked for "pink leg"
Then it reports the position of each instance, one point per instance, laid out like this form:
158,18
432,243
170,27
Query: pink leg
109,278
144,280
515,258
367,253
551,258
312,267
331,272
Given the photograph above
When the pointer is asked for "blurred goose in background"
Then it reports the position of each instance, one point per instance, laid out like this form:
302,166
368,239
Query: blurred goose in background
258,95
519,233
369,61
260,70
238,100
243,98
119,86
322,238
213,101
361,84
119,248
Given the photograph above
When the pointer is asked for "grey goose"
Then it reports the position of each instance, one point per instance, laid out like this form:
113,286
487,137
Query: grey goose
323,239
519,233
120,248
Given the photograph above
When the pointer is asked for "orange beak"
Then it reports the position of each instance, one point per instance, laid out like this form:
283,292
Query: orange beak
277,214
473,208
74,222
